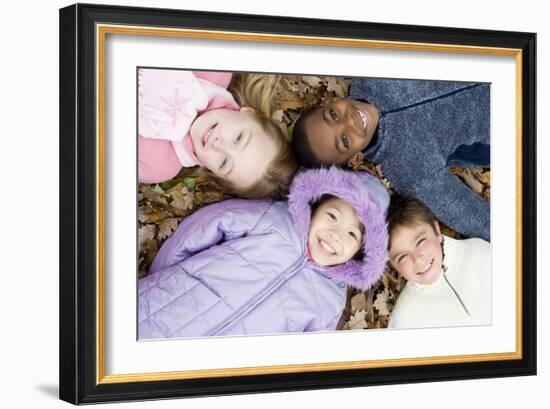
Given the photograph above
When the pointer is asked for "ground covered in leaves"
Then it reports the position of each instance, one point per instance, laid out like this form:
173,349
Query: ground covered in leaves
162,206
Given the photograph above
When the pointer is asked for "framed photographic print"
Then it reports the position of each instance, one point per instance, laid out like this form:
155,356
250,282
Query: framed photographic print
186,271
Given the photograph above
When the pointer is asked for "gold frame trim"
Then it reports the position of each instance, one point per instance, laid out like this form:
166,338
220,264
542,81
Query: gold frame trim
102,30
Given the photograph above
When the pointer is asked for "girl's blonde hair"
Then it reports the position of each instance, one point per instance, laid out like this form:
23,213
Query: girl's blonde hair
257,91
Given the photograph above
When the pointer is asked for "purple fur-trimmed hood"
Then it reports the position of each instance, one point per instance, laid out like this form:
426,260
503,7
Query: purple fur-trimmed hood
309,185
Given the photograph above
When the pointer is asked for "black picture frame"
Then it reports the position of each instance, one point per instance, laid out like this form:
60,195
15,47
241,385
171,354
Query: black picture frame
80,362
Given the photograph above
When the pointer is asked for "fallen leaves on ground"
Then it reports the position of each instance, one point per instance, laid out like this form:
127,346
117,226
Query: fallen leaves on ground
477,179
357,320
163,205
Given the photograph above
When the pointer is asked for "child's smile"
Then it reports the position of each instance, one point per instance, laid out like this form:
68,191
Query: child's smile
326,247
206,136
341,129
232,145
416,252
335,234
427,268
364,116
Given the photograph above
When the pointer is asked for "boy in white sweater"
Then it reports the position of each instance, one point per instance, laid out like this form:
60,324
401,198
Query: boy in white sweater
449,280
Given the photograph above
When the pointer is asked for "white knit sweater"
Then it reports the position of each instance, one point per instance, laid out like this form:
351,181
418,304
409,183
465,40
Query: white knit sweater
461,295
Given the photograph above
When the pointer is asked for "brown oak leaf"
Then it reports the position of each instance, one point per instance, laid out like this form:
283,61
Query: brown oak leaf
278,115
379,172
146,232
339,86
357,320
472,181
485,177
181,198
151,195
382,303
288,100
167,227
291,82
358,302
312,80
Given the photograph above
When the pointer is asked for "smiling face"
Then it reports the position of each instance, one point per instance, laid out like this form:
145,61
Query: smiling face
416,252
232,145
335,234
340,130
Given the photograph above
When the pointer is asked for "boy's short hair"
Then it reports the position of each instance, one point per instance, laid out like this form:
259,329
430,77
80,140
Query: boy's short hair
300,142
408,212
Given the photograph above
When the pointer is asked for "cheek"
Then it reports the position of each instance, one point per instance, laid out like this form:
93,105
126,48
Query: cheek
207,158
354,246
252,163
310,234
211,160
313,227
361,144
435,249
323,147
406,270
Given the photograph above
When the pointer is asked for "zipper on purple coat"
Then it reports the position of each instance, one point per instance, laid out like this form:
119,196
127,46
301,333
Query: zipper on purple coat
243,311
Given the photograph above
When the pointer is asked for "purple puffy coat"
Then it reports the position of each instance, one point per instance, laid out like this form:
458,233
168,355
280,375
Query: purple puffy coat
241,267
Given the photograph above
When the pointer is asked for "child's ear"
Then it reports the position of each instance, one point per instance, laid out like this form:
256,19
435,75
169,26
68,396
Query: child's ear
355,160
248,110
438,231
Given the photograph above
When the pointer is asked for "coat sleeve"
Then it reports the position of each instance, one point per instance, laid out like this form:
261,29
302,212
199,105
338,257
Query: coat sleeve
169,101
317,325
208,227
456,205
377,189
220,78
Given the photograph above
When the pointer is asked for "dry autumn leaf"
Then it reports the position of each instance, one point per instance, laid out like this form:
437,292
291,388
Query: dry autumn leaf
149,248
472,181
167,227
370,308
146,232
312,80
292,84
338,86
358,302
150,194
278,115
357,320
289,100
181,199
381,303
379,172
487,194
485,177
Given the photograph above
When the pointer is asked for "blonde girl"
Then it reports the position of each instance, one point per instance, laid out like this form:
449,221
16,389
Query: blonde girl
189,118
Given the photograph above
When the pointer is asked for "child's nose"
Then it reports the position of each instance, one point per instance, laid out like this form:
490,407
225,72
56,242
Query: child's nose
416,258
350,120
349,125
218,140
